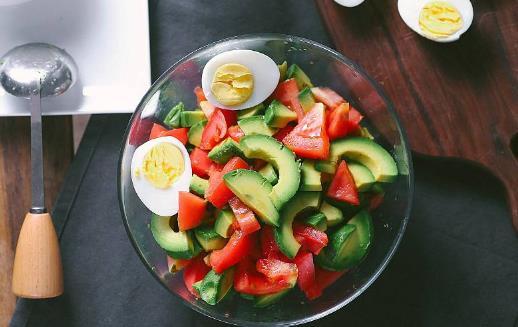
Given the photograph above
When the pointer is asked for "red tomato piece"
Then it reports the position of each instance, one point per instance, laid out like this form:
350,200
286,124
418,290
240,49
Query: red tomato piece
238,247
244,216
327,96
140,130
277,270
200,96
338,121
323,279
342,186
191,210
218,193
249,281
194,272
200,162
310,238
207,108
215,168
353,125
179,133
309,138
214,132
236,133
375,201
306,268
230,116
281,134
297,107
156,130
287,93
174,265
269,247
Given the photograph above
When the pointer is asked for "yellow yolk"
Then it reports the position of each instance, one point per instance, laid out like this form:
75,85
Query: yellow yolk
162,165
232,84
440,19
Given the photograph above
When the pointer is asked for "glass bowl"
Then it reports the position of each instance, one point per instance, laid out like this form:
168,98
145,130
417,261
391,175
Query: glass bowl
325,67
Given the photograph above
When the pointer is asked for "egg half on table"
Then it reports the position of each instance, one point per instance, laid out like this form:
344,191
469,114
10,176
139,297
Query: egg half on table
440,21
160,169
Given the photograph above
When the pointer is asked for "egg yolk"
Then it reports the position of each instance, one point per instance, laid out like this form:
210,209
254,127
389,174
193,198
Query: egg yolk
162,165
232,84
439,19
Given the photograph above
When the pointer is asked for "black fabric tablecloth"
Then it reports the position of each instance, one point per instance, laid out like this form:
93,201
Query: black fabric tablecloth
457,264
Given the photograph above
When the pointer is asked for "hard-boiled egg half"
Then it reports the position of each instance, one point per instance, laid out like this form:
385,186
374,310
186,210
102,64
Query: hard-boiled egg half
440,21
239,79
160,169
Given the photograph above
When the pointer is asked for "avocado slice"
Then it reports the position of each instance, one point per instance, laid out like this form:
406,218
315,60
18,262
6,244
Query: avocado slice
254,190
213,287
283,70
224,221
306,99
284,234
325,166
278,115
179,245
209,239
224,151
189,118
266,300
283,160
255,125
310,177
317,220
172,119
198,185
349,244
269,173
195,133
294,71
253,111
363,178
368,153
334,216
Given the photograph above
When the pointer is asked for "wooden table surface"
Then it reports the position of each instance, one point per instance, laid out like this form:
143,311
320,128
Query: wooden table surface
15,186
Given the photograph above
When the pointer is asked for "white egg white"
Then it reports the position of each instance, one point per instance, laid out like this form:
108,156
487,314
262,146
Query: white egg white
163,202
349,3
264,69
409,10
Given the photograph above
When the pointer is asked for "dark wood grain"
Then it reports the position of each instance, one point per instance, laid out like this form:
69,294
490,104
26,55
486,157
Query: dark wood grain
15,186
455,100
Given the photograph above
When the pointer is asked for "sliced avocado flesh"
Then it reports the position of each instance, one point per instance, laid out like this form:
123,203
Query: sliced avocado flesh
253,190
334,216
190,118
317,220
195,132
306,99
278,115
284,234
255,125
363,178
283,160
209,239
368,153
224,151
263,301
198,185
179,245
349,244
269,173
310,177
224,221
254,111
294,71
213,287
172,119
326,166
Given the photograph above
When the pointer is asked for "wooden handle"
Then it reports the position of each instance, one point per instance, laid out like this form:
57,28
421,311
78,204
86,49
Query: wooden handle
37,271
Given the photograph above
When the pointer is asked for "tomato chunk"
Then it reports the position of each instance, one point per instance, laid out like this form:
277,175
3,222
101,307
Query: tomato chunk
207,108
230,116
218,193
327,96
309,138
200,162
287,93
353,124
277,270
269,247
156,130
244,216
306,268
194,272
191,210
323,279
281,134
179,133
214,132
249,281
238,247
338,121
310,238
342,186
236,133
200,96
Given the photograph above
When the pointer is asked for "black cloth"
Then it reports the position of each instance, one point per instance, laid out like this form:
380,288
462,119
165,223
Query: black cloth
456,266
